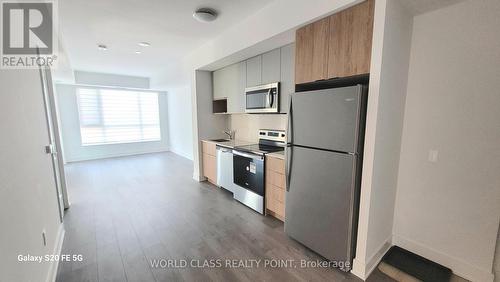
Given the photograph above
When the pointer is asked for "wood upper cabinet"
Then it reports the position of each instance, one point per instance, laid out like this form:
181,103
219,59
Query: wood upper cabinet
336,46
350,41
311,52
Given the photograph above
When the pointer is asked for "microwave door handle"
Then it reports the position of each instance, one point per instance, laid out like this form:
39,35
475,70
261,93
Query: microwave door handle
271,96
269,100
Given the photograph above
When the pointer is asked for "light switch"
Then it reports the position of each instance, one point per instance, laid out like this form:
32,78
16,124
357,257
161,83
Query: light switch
433,156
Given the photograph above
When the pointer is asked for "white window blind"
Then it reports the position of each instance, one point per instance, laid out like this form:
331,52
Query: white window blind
110,116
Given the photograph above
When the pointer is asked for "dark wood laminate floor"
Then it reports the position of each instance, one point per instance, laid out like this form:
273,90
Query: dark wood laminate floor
128,211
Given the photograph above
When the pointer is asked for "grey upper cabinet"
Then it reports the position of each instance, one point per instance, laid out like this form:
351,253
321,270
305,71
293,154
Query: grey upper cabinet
219,78
254,71
271,66
287,75
229,83
237,75
274,66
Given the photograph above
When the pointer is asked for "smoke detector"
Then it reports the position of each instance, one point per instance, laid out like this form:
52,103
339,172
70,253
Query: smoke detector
205,15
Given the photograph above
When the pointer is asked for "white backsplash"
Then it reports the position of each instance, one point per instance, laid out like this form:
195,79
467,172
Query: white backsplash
247,125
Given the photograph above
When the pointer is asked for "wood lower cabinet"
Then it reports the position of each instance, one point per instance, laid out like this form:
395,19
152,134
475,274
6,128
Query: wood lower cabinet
336,46
209,161
275,187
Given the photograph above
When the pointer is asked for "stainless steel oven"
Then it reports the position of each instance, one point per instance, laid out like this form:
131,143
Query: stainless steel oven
248,171
262,98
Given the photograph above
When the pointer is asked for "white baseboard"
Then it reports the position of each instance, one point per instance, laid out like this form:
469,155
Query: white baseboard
363,268
74,159
52,275
458,266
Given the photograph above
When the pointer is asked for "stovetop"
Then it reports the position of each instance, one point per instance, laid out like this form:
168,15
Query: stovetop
259,148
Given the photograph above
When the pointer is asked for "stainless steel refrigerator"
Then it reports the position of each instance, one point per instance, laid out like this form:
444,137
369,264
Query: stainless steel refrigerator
323,166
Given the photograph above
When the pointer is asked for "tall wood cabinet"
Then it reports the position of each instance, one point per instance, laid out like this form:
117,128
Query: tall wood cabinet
336,46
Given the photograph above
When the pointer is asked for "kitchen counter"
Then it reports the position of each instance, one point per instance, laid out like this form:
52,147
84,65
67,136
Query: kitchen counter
231,143
279,155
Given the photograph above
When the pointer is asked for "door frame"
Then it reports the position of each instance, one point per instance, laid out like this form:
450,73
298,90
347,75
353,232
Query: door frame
55,146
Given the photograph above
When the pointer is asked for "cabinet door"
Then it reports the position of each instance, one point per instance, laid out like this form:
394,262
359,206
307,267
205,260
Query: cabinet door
311,55
350,41
218,77
236,82
210,167
271,66
254,71
287,86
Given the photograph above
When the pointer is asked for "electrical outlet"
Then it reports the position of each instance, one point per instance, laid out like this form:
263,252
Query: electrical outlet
44,238
433,155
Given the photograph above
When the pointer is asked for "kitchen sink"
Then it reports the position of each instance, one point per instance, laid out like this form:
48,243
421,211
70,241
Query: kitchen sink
220,140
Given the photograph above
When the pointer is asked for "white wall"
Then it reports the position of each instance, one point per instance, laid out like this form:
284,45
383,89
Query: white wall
384,124
107,79
247,125
28,201
71,137
180,121
209,125
448,210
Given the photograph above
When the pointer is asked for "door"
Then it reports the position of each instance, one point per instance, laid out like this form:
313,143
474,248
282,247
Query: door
329,119
320,200
54,142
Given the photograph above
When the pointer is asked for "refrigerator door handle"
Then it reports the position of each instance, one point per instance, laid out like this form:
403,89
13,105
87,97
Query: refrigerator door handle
288,165
289,130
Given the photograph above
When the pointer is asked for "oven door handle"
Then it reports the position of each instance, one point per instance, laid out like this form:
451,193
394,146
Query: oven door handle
247,155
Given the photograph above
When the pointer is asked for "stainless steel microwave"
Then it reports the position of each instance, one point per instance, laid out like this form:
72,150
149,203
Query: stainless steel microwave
263,98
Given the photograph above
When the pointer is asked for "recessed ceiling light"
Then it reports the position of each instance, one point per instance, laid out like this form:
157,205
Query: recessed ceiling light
138,52
144,44
205,15
102,47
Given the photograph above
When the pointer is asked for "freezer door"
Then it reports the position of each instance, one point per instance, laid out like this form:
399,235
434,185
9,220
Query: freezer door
328,119
320,201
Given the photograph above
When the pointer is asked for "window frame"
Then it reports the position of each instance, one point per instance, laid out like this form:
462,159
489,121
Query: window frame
99,88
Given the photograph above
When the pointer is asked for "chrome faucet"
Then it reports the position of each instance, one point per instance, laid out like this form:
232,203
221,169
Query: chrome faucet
230,134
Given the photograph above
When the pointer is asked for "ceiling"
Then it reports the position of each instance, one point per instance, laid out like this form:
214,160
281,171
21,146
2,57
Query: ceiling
422,6
121,24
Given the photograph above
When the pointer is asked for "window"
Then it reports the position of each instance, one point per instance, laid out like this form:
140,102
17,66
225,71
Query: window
109,116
